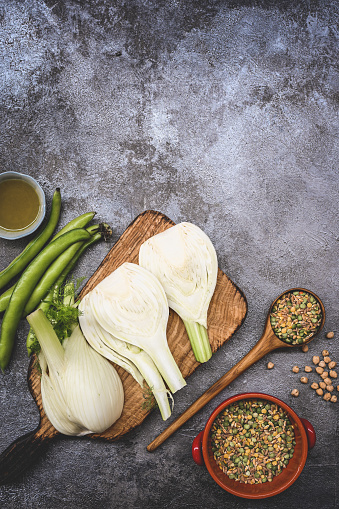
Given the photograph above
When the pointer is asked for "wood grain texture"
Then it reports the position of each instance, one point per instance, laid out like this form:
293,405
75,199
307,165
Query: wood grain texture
227,312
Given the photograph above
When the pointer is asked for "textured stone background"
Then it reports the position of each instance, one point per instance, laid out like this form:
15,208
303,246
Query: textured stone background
222,113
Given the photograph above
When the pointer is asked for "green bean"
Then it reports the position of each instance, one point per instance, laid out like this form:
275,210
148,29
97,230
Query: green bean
78,222
52,273
47,300
5,298
27,283
34,247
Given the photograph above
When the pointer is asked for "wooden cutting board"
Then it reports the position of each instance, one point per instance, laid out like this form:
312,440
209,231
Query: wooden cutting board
227,312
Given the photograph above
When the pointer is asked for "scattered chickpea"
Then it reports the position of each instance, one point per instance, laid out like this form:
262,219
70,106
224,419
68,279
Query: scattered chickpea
326,383
270,365
330,335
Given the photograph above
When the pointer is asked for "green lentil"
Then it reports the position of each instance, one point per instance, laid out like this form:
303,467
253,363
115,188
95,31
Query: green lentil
296,328
248,454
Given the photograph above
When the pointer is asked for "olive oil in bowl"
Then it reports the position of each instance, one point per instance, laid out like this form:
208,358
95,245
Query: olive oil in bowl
22,205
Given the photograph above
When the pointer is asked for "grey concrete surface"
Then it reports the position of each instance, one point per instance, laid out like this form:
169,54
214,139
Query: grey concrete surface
222,113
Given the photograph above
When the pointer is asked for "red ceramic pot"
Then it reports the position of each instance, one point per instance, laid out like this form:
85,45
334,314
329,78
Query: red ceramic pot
304,436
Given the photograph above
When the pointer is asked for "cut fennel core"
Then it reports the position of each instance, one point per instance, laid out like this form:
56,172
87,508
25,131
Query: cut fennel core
185,262
132,358
129,312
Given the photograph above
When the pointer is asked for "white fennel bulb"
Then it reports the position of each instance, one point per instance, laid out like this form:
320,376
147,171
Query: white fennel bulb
53,401
131,305
81,391
184,260
124,354
93,390
115,350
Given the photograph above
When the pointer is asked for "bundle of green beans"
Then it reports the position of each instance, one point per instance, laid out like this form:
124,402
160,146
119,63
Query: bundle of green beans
42,265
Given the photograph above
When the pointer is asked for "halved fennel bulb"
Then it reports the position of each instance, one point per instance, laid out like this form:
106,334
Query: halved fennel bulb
124,354
98,406
106,345
81,391
131,305
184,260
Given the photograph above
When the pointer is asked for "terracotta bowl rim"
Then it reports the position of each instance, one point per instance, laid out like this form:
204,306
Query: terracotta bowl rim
239,490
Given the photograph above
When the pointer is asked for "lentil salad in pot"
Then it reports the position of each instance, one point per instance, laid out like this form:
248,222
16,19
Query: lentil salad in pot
252,441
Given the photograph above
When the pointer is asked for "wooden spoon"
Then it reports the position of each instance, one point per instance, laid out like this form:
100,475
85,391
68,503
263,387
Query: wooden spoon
266,344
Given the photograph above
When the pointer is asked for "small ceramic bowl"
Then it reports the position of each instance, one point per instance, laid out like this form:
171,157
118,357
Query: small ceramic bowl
17,234
304,436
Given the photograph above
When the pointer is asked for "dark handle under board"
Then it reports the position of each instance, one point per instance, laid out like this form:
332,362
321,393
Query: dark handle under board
22,453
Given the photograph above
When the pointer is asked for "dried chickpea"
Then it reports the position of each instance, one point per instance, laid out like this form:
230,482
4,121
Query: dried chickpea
295,393
338,388
322,364
334,398
325,353
315,385
322,385
324,375
332,364
320,392
304,348
327,396
330,335
295,369
319,370
327,359
333,374
308,369
270,365
315,359
304,380
329,388
327,381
